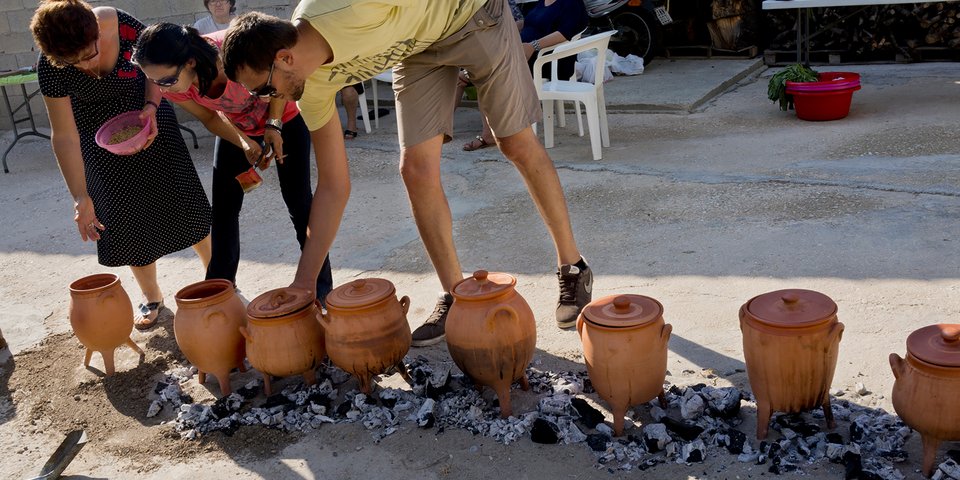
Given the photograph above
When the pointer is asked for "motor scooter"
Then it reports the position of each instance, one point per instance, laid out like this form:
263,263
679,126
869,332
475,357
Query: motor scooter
639,25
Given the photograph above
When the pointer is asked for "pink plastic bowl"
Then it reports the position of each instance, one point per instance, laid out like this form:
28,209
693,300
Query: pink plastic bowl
131,145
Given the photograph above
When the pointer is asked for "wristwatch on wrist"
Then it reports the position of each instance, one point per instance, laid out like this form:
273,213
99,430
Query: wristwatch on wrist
275,123
536,45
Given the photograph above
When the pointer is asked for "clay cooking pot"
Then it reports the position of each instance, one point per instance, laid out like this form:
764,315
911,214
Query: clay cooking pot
791,339
209,315
102,317
366,329
625,346
491,333
927,387
284,336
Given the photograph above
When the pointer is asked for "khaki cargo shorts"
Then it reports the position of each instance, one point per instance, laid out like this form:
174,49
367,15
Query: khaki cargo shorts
488,48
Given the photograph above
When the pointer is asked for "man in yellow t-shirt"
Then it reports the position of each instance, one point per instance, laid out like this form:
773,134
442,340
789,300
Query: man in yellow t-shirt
334,43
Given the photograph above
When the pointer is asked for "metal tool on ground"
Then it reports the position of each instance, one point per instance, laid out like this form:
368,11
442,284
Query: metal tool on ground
68,449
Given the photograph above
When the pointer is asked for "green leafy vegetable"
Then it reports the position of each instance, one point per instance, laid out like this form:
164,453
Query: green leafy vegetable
777,88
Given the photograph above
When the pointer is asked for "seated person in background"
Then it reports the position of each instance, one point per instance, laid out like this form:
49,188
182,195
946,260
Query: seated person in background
221,12
350,96
549,22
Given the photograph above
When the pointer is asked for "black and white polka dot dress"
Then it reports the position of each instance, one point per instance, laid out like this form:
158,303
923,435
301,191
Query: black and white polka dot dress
152,202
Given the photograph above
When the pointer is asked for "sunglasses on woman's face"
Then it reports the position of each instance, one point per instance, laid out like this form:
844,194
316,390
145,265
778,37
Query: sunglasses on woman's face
96,51
266,90
171,80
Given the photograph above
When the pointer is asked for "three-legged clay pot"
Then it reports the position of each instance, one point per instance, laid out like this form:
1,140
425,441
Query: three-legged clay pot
284,335
209,316
491,333
102,317
791,339
927,387
625,346
366,329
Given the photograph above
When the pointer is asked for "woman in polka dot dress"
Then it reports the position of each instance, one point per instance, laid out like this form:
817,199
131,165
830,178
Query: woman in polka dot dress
137,208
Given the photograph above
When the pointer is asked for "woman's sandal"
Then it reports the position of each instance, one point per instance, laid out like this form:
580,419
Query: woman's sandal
476,144
349,134
149,315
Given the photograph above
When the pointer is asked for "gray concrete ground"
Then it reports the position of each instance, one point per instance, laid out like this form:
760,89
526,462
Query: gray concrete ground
700,210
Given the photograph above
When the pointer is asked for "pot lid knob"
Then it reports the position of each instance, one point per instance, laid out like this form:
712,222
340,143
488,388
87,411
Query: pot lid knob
621,304
790,298
950,334
481,276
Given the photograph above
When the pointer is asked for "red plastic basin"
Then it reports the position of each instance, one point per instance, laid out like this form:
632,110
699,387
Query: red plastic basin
822,106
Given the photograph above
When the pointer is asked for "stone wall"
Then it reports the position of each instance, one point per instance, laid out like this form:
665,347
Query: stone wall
17,49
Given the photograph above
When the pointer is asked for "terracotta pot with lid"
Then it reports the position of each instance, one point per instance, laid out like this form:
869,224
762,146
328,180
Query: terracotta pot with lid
625,347
209,315
927,387
491,333
102,317
284,335
366,329
791,340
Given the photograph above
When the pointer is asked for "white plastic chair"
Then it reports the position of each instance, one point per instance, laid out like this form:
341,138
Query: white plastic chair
561,118
591,95
362,105
386,77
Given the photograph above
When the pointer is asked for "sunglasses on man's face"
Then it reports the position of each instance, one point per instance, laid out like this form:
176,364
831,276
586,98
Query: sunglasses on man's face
266,90
171,80
96,51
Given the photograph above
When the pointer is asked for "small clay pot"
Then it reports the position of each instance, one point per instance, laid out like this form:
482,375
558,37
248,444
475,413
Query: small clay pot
927,387
284,335
102,317
491,333
791,340
209,315
625,347
366,329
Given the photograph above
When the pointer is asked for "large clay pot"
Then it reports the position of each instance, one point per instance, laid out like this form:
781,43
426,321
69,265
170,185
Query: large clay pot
209,315
366,329
625,347
491,333
102,317
791,339
927,387
284,335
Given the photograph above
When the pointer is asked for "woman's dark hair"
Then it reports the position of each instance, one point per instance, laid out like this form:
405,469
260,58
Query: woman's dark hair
233,5
175,45
63,28
253,41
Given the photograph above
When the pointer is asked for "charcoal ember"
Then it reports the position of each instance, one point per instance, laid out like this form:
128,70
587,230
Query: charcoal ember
675,390
698,387
588,385
557,405
953,454
250,390
948,470
859,428
878,469
604,429
657,413
278,400
225,406
345,407
589,417
896,456
685,430
337,376
598,441
545,431
723,402
426,416
693,452
648,463
782,466
230,427
161,386
735,440
655,437
154,409
437,384
692,407
568,387
853,465
834,437
389,397
569,432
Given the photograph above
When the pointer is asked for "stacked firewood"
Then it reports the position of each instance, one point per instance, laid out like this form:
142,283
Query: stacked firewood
872,31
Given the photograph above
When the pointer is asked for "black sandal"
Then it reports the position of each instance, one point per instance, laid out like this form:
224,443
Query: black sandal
145,322
349,134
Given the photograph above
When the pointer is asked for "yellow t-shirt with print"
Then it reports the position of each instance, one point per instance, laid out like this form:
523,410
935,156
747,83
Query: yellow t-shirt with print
369,37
